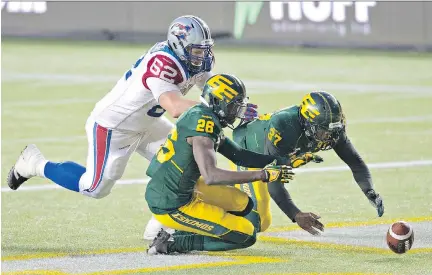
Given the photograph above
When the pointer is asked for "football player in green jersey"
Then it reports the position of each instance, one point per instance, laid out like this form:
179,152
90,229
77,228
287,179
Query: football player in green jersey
212,219
317,124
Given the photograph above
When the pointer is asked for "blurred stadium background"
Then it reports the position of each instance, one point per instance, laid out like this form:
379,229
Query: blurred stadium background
60,58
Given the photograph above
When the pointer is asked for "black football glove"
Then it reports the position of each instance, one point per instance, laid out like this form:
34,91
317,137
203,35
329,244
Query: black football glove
376,201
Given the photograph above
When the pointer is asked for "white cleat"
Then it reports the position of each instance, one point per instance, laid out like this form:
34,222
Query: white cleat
153,228
30,163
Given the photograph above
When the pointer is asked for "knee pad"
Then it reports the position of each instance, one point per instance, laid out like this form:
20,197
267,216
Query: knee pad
245,211
96,194
101,191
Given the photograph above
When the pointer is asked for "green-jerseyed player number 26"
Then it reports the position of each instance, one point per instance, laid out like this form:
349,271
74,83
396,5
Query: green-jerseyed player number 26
205,126
166,152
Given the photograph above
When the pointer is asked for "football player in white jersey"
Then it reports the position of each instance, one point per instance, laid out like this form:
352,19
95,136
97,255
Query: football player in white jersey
129,118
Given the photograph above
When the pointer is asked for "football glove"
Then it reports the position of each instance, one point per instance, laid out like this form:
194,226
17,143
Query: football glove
302,159
282,173
251,112
376,201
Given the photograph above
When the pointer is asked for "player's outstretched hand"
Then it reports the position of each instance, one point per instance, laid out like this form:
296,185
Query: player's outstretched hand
376,201
251,112
282,173
302,159
309,222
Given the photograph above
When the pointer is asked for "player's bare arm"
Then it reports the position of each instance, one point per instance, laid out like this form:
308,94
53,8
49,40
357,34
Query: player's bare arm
205,157
175,104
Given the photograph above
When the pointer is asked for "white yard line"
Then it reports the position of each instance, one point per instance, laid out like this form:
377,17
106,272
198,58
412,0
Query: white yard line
64,101
391,120
380,165
38,140
259,85
425,118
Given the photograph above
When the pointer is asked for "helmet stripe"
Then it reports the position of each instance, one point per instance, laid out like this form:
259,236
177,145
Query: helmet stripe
240,83
200,24
330,110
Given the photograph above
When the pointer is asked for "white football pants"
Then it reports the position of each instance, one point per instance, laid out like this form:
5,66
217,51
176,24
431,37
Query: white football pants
109,151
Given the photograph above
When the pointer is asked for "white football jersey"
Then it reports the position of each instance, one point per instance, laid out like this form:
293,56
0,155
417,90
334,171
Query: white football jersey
133,102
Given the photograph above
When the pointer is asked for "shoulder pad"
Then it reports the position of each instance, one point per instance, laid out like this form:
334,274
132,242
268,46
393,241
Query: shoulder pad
165,67
198,122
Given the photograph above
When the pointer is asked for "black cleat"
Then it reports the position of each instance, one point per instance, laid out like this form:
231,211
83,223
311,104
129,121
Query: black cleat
28,165
14,179
160,243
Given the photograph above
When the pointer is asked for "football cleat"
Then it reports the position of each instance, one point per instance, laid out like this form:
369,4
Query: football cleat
29,164
153,227
160,243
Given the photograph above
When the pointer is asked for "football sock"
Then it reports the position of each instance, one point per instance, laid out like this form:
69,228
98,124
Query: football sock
66,174
185,242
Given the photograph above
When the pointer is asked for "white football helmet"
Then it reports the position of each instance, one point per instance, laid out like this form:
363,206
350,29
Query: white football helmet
190,39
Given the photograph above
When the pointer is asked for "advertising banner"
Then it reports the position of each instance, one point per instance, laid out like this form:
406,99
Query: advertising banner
365,23
317,23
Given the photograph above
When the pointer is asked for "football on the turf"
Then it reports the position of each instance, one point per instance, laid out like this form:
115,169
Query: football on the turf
400,237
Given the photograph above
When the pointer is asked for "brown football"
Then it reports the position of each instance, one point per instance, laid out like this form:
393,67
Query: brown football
400,237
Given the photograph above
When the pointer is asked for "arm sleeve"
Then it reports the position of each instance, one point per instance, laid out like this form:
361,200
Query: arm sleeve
246,158
283,199
158,86
346,151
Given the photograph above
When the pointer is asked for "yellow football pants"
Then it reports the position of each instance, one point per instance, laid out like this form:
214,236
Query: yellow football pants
260,196
207,214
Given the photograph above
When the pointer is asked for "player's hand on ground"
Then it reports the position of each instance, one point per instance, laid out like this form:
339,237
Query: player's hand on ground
376,201
302,159
251,112
309,222
281,173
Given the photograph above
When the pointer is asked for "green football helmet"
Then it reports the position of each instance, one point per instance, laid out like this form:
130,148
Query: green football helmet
322,119
226,95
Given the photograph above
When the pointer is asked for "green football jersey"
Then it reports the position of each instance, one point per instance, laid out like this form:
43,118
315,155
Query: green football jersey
173,169
278,133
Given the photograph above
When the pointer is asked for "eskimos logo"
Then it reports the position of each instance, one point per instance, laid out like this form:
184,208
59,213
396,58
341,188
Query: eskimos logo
321,17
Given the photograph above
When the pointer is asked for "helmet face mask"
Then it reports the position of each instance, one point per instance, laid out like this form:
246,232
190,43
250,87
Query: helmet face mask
325,138
199,58
226,95
190,39
235,109
322,119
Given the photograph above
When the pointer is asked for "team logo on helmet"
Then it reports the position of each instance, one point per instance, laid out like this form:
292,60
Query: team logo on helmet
222,88
308,109
180,30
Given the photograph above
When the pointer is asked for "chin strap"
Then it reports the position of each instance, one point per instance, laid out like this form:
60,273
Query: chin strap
203,101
